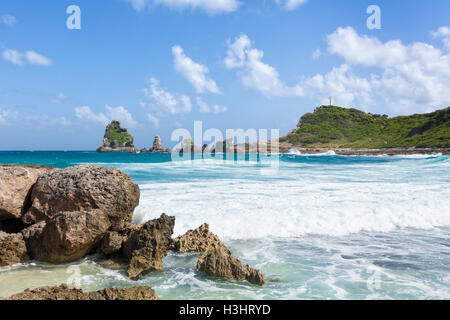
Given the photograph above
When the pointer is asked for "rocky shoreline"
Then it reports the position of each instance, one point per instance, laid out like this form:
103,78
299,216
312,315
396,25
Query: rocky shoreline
62,215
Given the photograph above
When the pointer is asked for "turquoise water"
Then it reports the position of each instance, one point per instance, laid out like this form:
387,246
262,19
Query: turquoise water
319,227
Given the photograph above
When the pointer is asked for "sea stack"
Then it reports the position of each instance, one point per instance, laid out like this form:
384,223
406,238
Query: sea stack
117,139
157,145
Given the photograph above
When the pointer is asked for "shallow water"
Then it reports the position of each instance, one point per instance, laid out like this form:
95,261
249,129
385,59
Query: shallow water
319,227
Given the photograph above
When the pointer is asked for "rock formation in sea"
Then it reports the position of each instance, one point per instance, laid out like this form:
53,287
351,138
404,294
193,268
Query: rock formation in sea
84,187
117,139
16,182
198,240
188,146
220,263
226,146
146,247
157,145
63,292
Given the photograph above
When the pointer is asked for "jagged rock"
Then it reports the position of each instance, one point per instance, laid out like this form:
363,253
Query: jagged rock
198,240
111,243
188,146
143,150
157,145
67,236
84,187
16,182
146,247
63,292
117,139
219,263
12,249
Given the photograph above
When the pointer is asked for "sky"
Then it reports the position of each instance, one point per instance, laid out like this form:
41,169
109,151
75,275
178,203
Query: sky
159,65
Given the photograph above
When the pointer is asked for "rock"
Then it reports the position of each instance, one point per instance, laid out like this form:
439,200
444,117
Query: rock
143,150
67,236
188,146
219,263
16,182
111,243
146,247
198,240
226,146
84,187
63,292
117,139
157,145
13,249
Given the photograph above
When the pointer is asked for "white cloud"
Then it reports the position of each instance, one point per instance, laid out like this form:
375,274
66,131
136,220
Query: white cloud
205,108
164,101
37,59
255,73
290,5
404,78
210,6
30,57
60,98
316,54
7,115
8,19
119,113
194,72
13,56
444,34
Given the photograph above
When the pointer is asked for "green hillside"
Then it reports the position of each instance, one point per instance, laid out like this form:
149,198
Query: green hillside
336,127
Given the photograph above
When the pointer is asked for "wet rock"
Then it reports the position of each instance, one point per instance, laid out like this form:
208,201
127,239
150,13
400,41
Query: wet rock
198,240
64,292
13,249
219,263
67,236
16,182
146,247
84,187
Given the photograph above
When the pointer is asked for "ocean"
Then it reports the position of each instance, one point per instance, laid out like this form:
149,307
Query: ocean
317,226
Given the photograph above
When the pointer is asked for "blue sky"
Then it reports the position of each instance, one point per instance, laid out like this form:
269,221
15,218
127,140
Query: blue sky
158,65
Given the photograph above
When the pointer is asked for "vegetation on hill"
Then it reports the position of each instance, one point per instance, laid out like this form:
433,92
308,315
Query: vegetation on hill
116,135
336,127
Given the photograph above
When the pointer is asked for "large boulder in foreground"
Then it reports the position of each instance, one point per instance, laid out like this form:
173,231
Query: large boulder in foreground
12,249
84,187
219,263
146,247
16,182
67,236
198,240
63,292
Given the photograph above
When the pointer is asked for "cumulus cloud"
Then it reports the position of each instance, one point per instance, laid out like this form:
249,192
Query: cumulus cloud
206,108
444,34
210,6
194,72
118,113
165,102
254,72
60,98
404,78
7,19
290,5
29,57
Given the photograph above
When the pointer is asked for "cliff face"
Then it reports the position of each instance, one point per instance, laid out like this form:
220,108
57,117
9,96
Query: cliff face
117,139
336,127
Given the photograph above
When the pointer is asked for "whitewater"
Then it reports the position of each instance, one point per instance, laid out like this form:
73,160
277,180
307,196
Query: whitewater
318,226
